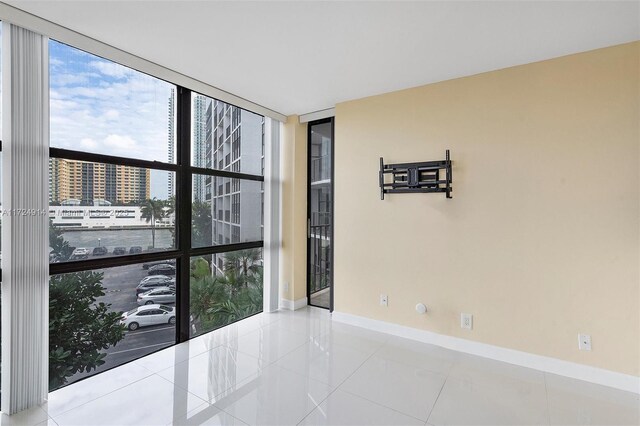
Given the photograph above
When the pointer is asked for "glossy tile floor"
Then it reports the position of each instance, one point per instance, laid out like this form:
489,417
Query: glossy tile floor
291,368
321,298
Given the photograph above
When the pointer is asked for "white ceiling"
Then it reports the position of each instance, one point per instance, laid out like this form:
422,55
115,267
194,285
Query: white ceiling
302,56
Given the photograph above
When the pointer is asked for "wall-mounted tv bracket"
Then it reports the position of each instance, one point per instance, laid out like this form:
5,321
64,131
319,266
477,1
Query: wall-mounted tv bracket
416,177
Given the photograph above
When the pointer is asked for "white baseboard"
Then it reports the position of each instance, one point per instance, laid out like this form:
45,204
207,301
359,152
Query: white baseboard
293,305
560,367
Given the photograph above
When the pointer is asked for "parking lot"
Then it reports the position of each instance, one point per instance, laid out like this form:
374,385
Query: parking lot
120,291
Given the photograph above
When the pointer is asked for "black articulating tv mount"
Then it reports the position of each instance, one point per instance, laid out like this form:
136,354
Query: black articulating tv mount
416,177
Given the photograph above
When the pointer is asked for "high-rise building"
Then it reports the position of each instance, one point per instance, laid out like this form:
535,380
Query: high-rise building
171,141
234,142
201,131
91,182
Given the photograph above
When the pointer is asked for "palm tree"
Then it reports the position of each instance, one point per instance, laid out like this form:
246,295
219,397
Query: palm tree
201,229
170,209
152,210
170,204
244,263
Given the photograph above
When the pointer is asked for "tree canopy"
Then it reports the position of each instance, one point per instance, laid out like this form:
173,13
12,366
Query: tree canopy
218,299
79,328
61,249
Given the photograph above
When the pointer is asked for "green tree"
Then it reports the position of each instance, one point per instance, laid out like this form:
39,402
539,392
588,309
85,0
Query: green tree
206,294
170,209
200,267
60,248
233,281
201,234
152,210
217,300
79,328
170,204
243,263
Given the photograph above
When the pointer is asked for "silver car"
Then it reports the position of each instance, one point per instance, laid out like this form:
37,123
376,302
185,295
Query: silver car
149,285
148,315
155,279
159,295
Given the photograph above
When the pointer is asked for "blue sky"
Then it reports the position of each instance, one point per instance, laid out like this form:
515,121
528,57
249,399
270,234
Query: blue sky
103,107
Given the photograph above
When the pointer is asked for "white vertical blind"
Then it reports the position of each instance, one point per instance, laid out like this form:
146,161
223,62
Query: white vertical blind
272,236
25,235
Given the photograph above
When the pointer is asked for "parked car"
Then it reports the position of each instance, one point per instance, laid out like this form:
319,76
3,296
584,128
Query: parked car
163,269
158,262
155,278
159,295
100,251
79,253
147,315
152,285
135,250
120,250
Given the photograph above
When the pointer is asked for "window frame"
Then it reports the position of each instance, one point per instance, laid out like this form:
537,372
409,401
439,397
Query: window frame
184,172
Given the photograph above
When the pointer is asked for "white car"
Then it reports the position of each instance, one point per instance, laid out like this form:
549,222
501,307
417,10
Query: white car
146,315
80,251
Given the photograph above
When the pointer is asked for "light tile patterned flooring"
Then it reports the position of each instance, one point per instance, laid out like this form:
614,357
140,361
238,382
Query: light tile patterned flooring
291,368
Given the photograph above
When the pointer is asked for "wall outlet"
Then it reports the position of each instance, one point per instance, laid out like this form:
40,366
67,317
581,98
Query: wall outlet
384,301
466,321
584,342
286,287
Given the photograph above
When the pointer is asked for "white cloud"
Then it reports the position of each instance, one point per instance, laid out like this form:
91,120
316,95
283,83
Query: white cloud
119,142
106,108
111,69
88,144
112,114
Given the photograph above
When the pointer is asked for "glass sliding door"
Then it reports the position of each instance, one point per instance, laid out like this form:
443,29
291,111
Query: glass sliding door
320,214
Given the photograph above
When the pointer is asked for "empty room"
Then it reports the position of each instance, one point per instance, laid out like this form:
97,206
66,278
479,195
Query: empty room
319,213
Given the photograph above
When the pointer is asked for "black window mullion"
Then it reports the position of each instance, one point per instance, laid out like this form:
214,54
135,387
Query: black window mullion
225,173
110,262
69,154
223,248
183,211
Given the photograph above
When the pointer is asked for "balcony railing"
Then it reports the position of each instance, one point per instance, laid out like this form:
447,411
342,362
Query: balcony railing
320,257
320,218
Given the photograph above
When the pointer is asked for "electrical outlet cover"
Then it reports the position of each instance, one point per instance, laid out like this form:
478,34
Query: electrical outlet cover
466,321
584,342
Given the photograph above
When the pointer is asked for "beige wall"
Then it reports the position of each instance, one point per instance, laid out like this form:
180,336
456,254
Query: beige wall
294,210
541,239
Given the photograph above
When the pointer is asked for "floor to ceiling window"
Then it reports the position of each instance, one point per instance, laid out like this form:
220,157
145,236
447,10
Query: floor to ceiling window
111,170
227,157
155,214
